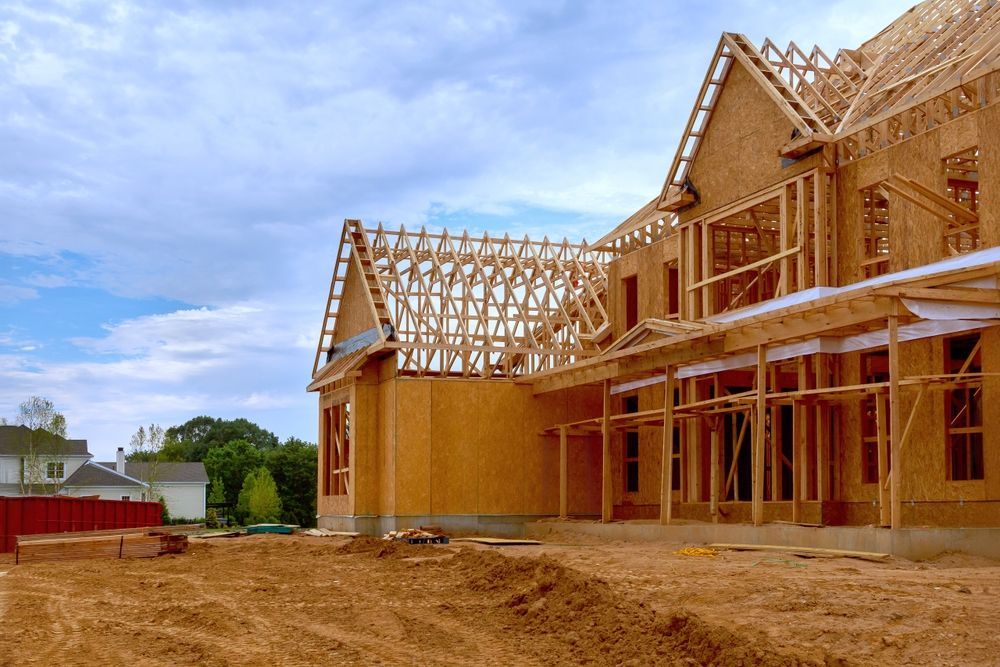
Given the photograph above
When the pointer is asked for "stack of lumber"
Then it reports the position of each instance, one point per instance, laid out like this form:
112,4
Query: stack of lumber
125,543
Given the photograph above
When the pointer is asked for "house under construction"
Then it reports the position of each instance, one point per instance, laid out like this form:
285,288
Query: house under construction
801,326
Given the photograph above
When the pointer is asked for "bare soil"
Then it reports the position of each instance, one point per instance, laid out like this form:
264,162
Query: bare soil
271,599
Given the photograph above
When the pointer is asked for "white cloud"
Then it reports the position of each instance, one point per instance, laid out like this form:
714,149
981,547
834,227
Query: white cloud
11,294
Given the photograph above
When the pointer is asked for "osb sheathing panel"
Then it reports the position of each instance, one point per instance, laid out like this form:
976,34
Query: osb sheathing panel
365,449
354,314
500,465
924,474
915,235
849,451
989,174
413,446
925,452
455,415
647,264
584,492
387,446
991,414
739,153
474,447
541,454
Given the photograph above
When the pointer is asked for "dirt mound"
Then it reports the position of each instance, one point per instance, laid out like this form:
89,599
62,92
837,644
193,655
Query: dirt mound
542,596
388,549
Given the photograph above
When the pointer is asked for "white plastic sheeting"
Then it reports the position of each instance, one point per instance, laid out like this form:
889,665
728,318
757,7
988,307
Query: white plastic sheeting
937,318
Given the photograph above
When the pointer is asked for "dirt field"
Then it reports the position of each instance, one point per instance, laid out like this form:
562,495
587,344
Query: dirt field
301,600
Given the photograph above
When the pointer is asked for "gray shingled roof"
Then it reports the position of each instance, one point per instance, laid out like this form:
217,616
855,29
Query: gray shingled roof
165,472
94,474
18,441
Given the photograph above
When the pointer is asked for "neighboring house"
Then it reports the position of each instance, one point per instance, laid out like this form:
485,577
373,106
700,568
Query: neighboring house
181,485
36,461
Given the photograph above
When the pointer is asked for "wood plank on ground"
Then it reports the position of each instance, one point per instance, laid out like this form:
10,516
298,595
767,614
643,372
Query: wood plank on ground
808,552
495,541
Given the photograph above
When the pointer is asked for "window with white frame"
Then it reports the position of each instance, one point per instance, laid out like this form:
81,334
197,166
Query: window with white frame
55,470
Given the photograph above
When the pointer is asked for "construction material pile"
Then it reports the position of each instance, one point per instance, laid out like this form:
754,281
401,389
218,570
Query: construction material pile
416,536
126,543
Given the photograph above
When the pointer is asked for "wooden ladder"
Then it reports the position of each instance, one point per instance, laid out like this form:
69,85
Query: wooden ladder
369,271
808,121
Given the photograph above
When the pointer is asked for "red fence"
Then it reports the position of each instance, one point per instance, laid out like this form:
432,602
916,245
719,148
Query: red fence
30,515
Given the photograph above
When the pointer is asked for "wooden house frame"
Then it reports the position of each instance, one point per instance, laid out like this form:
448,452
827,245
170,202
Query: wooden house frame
818,273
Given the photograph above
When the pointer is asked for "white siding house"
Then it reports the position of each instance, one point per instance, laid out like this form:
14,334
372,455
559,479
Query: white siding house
37,461
181,485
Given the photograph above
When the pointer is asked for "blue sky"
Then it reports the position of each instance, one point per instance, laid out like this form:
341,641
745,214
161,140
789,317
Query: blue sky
175,175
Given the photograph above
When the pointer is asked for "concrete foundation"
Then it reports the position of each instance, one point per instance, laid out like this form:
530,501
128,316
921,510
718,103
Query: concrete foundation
910,543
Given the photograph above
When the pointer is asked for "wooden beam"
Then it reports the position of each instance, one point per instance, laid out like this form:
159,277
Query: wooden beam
758,437
714,472
883,467
894,416
563,473
606,497
752,265
667,471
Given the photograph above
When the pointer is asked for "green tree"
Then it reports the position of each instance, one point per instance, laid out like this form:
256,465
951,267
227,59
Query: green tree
46,440
258,500
231,463
293,467
145,446
218,493
199,435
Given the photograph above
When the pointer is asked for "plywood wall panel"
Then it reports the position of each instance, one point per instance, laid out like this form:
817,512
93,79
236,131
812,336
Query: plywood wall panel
989,174
924,474
541,453
355,313
413,446
387,446
501,442
915,235
991,413
739,154
365,449
455,415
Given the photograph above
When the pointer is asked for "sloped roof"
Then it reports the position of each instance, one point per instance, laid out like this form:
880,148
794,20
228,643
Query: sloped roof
21,440
189,472
457,305
96,474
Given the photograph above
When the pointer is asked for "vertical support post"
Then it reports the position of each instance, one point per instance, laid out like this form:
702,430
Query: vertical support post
785,271
667,471
896,470
563,473
606,456
800,428
822,430
758,437
820,220
713,424
801,237
883,464
777,466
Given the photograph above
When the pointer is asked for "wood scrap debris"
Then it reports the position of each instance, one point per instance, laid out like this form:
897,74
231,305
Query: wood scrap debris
697,551
415,536
806,552
148,544
326,532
